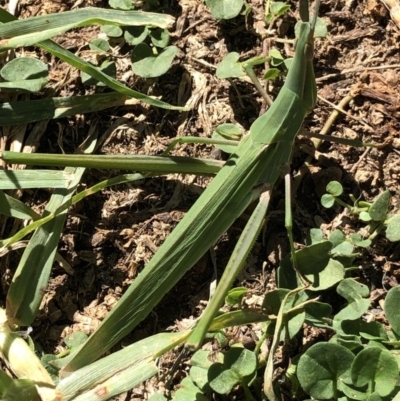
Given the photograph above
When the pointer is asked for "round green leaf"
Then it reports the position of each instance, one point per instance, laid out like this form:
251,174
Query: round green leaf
364,216
135,35
121,4
322,365
392,309
200,377
276,57
279,8
315,236
353,393
241,360
225,9
159,37
375,365
99,45
393,229
24,68
331,275
154,65
337,238
334,188
357,295
189,391
346,248
272,73
314,258
327,201
357,240
321,30
379,209
349,341
112,31
293,322
220,379
230,67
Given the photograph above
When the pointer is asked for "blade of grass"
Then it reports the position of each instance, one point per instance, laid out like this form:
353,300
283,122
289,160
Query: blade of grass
139,354
152,164
24,112
209,165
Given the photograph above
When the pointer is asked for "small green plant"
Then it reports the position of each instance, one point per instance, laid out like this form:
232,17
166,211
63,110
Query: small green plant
375,213
151,56
360,362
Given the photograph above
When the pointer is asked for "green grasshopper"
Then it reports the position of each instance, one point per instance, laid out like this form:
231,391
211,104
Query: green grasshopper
252,170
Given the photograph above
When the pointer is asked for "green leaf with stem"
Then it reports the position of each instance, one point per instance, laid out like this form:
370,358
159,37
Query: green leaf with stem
391,307
238,366
112,31
323,368
230,67
146,64
377,368
135,34
379,208
357,296
393,228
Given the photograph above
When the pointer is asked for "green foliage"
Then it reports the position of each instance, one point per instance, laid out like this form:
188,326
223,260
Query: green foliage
323,368
230,67
121,4
227,131
276,10
107,67
112,31
392,303
361,359
236,366
376,213
24,74
235,296
224,9
146,64
147,60
356,362
99,45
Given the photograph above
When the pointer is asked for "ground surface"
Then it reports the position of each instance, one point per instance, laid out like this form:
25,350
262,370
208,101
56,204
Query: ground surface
109,237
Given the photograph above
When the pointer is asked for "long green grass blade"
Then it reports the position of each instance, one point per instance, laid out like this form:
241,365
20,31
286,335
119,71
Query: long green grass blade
152,164
24,112
90,191
29,31
97,372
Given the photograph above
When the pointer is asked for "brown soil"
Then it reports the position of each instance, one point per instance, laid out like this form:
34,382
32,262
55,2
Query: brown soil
109,237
